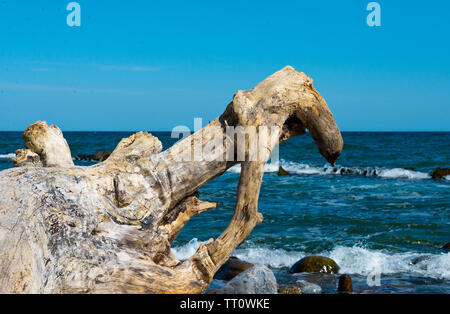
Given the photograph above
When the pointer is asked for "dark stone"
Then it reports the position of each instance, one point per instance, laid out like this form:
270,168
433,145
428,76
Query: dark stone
446,247
282,172
290,290
347,171
85,157
345,284
314,264
101,156
309,287
440,173
233,267
106,155
98,155
419,259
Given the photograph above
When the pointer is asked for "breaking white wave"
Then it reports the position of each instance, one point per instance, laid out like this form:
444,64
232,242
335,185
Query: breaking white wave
447,177
276,258
270,167
305,169
359,260
352,260
7,156
403,173
185,251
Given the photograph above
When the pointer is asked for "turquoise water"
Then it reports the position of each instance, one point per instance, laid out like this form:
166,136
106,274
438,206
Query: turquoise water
368,213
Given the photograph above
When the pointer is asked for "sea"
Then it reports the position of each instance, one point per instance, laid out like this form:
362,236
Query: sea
377,213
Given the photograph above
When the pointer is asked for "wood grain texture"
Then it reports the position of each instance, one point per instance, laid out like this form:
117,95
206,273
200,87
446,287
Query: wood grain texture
108,228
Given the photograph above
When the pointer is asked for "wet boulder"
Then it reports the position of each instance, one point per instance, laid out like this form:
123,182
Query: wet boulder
101,155
309,287
233,267
283,172
347,171
446,247
345,284
440,173
98,156
420,259
256,280
315,264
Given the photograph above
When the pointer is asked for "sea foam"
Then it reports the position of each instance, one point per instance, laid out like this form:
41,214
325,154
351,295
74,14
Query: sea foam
7,156
305,169
352,260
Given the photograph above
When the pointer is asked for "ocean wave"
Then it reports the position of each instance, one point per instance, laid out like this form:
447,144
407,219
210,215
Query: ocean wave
352,260
276,258
185,251
403,173
270,167
305,169
363,261
7,156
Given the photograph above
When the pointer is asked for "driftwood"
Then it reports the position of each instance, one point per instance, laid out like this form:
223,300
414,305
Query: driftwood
108,228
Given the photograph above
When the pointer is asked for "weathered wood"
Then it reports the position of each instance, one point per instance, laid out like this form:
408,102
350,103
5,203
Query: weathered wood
108,228
49,143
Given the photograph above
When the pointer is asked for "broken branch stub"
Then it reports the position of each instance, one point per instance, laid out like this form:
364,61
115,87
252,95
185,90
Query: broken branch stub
48,142
109,227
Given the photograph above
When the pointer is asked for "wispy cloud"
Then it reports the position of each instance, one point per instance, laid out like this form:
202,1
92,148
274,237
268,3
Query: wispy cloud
133,68
27,87
102,67
19,87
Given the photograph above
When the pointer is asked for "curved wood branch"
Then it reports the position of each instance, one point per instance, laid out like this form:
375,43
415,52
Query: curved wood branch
109,227
181,214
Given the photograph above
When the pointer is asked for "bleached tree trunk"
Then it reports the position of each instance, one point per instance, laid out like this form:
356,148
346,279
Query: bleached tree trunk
108,228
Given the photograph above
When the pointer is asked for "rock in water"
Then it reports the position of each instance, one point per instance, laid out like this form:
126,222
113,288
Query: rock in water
314,264
290,290
257,280
446,247
233,267
309,287
345,284
101,156
282,172
420,259
440,173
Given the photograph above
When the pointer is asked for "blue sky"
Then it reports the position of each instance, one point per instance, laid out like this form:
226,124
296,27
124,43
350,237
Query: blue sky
152,65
